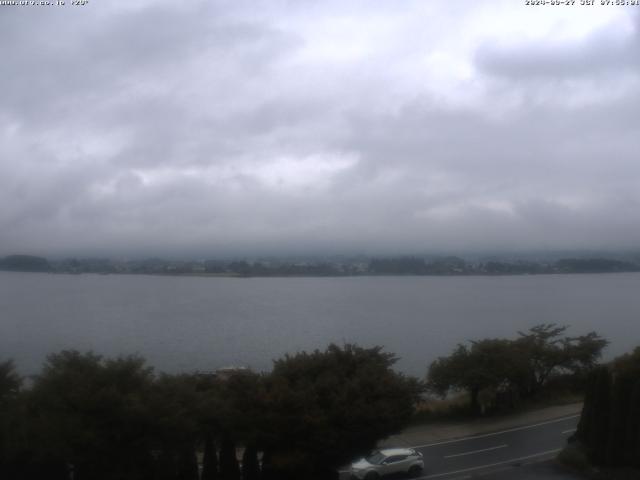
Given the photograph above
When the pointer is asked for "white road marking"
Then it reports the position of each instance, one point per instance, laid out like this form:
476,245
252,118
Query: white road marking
571,430
476,451
516,429
479,467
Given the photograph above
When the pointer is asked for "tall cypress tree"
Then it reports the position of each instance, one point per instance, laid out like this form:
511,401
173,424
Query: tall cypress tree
586,424
229,468
598,411
267,471
617,446
210,459
188,464
633,428
250,467
166,465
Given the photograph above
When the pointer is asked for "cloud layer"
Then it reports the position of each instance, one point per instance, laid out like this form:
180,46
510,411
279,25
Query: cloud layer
241,127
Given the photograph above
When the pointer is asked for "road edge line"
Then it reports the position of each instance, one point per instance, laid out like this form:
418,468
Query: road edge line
472,452
484,435
480,467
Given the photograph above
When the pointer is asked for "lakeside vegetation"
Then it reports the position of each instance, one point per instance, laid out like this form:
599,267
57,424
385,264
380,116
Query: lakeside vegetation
357,266
606,445
500,374
115,418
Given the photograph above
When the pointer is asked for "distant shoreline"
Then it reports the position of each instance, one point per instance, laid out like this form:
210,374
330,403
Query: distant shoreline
450,266
363,275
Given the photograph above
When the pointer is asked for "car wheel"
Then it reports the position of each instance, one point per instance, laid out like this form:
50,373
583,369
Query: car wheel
415,471
371,476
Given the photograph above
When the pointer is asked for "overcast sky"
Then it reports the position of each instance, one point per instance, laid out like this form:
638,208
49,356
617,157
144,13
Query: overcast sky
299,126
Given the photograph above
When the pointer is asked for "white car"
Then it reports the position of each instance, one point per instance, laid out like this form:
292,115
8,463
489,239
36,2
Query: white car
387,462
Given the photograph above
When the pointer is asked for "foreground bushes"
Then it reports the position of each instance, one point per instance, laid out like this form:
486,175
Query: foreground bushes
609,428
107,419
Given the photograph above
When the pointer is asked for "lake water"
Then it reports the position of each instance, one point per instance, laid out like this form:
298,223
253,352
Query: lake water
192,323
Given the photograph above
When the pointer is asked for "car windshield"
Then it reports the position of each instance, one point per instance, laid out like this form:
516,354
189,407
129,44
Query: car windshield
375,458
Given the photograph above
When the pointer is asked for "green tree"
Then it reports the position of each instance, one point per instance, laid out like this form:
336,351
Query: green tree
10,383
238,404
209,459
632,449
593,427
250,464
626,410
619,417
548,352
326,407
485,364
233,413
524,365
176,405
92,413
609,427
229,467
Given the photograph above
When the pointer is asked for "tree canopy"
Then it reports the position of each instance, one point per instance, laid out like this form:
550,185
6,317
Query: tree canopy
92,413
10,381
609,427
115,419
523,365
329,406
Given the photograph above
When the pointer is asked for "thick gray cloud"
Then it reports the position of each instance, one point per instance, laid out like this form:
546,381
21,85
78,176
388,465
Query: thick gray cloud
223,127
605,50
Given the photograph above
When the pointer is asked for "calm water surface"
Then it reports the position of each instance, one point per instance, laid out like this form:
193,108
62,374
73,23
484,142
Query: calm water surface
189,323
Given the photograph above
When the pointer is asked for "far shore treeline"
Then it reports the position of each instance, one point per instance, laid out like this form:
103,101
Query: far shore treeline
311,267
84,416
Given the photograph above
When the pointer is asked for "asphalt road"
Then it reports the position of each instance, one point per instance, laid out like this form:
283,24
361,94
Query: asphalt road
493,455
498,450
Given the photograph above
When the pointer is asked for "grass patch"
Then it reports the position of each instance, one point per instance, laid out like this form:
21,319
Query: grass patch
432,409
550,400
574,459
456,407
